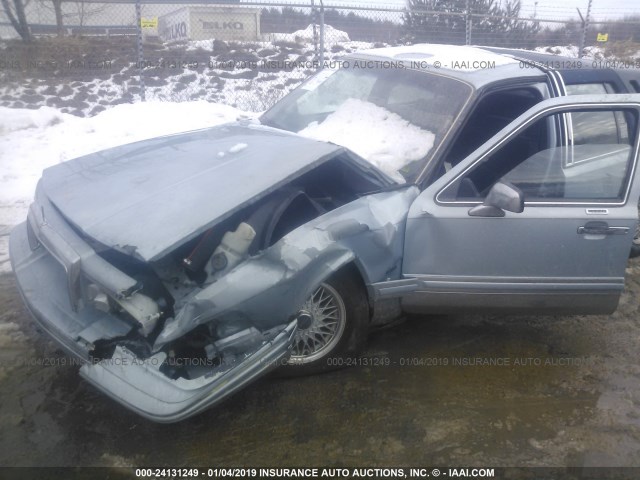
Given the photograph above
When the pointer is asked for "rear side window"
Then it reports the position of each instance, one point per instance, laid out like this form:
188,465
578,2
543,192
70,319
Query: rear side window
596,127
587,89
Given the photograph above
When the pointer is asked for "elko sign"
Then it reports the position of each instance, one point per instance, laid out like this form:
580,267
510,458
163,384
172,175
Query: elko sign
203,23
222,25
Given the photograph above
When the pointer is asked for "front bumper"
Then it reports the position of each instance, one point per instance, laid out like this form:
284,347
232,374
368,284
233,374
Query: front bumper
43,283
141,387
137,384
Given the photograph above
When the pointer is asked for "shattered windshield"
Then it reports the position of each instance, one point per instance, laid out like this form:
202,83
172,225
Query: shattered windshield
393,117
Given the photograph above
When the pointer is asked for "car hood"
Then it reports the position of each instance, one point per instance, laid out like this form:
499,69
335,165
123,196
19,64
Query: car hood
148,197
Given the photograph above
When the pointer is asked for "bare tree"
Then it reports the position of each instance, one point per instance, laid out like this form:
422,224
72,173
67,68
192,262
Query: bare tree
83,12
18,18
75,13
57,8
46,7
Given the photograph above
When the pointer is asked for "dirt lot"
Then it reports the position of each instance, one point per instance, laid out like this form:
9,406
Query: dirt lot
569,395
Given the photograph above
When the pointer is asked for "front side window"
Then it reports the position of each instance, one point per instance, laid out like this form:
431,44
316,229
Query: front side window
546,170
393,117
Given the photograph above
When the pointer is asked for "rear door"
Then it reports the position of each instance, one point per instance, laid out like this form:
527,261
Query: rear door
566,252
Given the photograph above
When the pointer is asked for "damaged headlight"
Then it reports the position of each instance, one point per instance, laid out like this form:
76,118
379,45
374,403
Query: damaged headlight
139,307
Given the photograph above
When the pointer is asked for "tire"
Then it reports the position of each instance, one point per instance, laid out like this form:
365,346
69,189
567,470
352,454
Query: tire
343,298
635,243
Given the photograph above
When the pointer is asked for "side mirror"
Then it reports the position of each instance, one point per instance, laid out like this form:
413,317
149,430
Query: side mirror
502,196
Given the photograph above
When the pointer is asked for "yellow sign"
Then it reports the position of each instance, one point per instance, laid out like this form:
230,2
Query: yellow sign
149,22
602,37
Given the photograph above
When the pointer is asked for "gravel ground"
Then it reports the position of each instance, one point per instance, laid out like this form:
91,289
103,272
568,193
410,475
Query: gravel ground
569,396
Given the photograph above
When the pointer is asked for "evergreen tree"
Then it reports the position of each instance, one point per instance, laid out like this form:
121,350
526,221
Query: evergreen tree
490,23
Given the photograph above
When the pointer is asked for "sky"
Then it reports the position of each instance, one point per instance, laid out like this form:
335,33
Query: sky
601,9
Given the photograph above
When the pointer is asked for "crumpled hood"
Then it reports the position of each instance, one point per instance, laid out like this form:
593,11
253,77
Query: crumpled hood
148,197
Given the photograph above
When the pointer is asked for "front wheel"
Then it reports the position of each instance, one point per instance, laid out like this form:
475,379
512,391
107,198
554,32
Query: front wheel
635,243
331,327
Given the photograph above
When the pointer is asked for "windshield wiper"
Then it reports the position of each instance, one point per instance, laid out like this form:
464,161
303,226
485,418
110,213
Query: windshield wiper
269,122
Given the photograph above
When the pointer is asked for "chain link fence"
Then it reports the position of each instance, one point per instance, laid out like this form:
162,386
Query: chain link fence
84,56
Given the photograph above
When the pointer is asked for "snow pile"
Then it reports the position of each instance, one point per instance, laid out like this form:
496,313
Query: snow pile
595,52
383,138
26,151
238,147
564,51
12,119
137,121
32,140
199,45
332,35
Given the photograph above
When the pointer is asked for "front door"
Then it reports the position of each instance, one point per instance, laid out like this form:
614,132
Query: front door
566,251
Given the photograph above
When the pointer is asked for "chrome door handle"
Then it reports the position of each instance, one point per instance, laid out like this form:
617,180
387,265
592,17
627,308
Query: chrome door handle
601,228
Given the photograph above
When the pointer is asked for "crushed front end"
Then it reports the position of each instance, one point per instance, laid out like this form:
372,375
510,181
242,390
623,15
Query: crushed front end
110,319
178,274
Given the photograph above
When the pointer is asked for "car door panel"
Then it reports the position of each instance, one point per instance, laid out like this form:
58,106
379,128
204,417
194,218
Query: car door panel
555,256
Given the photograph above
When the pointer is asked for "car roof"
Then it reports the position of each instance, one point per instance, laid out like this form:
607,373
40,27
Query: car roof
532,56
580,70
476,65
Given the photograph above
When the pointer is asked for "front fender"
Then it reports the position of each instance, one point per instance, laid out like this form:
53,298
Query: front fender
263,291
269,288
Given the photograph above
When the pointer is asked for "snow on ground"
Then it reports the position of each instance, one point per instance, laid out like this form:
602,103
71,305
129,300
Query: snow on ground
186,72
564,51
32,140
594,52
12,120
376,134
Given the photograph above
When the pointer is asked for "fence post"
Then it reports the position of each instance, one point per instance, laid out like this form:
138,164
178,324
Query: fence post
468,24
140,50
585,26
314,16
321,34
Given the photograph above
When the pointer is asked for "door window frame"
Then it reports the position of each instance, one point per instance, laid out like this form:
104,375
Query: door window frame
561,109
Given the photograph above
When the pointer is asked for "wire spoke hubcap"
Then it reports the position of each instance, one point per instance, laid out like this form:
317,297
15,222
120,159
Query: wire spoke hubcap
327,322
